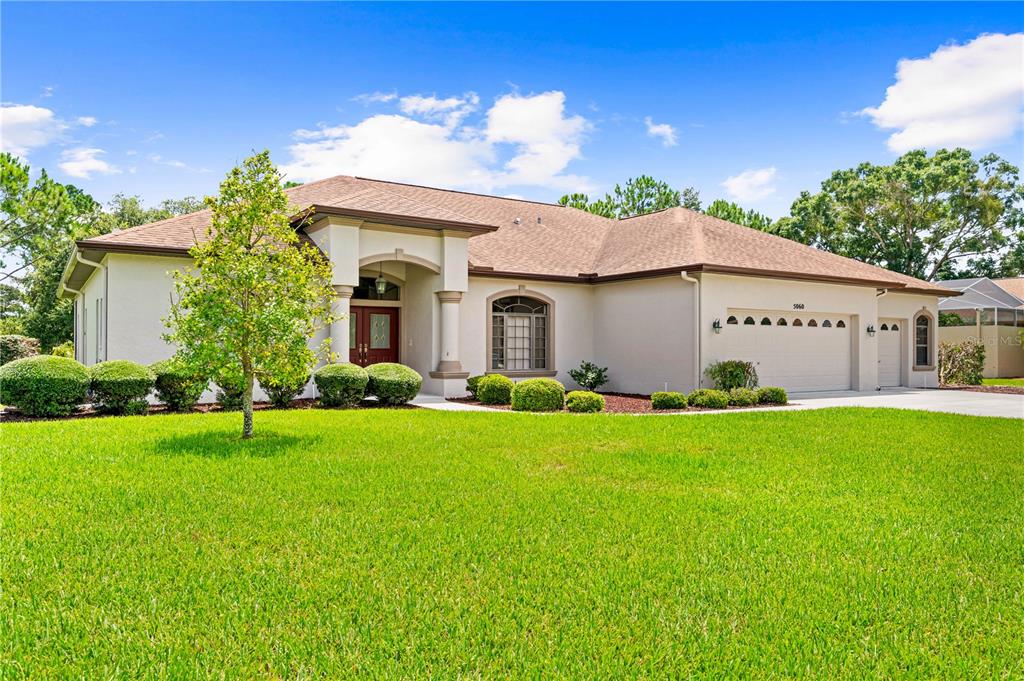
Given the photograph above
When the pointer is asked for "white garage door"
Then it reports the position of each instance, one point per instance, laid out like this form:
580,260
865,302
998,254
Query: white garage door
800,352
890,355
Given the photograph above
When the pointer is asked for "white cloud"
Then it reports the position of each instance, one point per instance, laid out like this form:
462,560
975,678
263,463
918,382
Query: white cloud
87,121
24,127
430,143
375,97
751,185
47,91
174,163
84,161
960,95
664,131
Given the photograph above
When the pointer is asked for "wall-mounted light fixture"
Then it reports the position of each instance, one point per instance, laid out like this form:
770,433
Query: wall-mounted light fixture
380,282
717,326
871,330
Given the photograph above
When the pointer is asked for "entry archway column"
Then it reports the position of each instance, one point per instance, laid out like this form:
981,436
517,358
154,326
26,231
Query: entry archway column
339,327
449,365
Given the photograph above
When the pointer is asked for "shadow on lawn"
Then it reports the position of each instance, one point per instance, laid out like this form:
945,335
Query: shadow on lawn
223,444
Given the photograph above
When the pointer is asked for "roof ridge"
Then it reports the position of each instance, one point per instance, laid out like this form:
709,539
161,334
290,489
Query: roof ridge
459,191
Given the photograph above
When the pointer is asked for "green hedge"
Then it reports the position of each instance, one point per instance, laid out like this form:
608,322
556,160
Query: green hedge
473,384
772,395
538,394
668,400
495,389
120,386
229,392
178,387
341,385
742,397
393,384
44,385
15,346
732,373
584,402
281,393
708,399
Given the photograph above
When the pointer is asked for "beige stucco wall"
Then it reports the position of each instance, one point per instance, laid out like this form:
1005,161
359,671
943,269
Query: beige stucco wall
906,307
92,330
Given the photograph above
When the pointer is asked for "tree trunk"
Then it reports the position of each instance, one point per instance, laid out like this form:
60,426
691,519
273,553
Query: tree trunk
247,405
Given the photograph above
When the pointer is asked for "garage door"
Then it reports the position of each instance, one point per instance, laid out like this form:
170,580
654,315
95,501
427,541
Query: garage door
800,352
890,355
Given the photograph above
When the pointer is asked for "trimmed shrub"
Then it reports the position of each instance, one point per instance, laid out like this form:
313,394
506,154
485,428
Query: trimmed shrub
772,395
668,400
176,385
65,349
229,392
341,385
44,385
538,394
708,399
15,346
742,397
281,393
393,384
732,373
495,389
584,402
961,363
589,376
120,386
473,384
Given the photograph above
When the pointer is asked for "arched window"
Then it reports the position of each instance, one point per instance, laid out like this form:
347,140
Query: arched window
765,321
894,328
731,320
798,322
840,324
749,320
519,334
884,327
812,323
782,322
923,341
826,324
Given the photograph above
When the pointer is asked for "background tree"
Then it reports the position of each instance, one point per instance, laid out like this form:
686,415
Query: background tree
918,216
255,295
639,196
733,212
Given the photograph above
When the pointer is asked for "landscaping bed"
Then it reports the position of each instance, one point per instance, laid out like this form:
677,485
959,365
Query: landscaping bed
991,388
621,403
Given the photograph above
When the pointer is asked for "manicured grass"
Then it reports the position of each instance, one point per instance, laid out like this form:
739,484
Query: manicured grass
834,543
1019,382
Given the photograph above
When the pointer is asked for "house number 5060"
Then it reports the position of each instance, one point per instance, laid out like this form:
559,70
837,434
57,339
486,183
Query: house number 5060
798,306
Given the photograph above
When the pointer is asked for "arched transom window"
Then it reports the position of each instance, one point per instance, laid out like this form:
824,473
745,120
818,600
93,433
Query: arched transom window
519,334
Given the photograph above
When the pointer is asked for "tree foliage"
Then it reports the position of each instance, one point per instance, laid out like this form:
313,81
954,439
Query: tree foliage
639,196
255,295
918,216
727,210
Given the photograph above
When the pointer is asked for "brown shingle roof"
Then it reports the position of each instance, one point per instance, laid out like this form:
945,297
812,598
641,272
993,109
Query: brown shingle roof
1014,286
544,239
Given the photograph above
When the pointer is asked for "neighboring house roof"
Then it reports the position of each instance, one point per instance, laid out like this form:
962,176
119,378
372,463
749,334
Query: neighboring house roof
979,292
1014,286
515,237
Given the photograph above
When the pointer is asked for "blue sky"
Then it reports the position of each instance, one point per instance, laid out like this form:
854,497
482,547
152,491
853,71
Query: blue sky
531,100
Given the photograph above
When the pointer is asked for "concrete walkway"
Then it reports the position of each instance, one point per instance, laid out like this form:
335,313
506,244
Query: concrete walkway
438,403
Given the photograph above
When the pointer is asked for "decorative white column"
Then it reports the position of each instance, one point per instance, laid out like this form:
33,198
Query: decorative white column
339,327
449,365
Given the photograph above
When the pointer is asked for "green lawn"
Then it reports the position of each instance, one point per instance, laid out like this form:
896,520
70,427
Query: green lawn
1019,382
835,543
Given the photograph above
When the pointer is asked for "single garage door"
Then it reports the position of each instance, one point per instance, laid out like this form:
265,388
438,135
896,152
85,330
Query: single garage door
800,352
890,355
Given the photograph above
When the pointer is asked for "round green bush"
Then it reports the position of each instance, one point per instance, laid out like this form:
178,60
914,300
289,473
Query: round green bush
472,385
494,389
742,397
177,386
668,400
230,392
538,394
584,402
121,386
393,384
341,385
281,393
708,399
772,395
44,385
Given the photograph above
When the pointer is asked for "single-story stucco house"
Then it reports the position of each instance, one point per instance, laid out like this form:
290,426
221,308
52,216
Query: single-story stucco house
479,284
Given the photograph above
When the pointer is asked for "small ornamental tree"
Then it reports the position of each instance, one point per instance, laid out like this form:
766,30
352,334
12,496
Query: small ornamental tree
255,295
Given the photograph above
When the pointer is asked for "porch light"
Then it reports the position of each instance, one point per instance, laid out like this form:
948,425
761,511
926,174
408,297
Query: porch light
380,282
871,330
717,326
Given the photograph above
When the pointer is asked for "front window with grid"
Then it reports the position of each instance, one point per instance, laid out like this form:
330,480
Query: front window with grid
519,334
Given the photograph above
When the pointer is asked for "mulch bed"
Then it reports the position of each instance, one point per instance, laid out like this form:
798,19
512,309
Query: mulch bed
998,389
618,403
10,414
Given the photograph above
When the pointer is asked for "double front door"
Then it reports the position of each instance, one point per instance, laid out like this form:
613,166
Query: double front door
372,335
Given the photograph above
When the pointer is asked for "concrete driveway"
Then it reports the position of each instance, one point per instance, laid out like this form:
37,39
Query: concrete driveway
950,401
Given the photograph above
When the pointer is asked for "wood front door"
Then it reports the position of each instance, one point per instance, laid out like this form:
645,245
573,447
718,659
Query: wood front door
373,335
